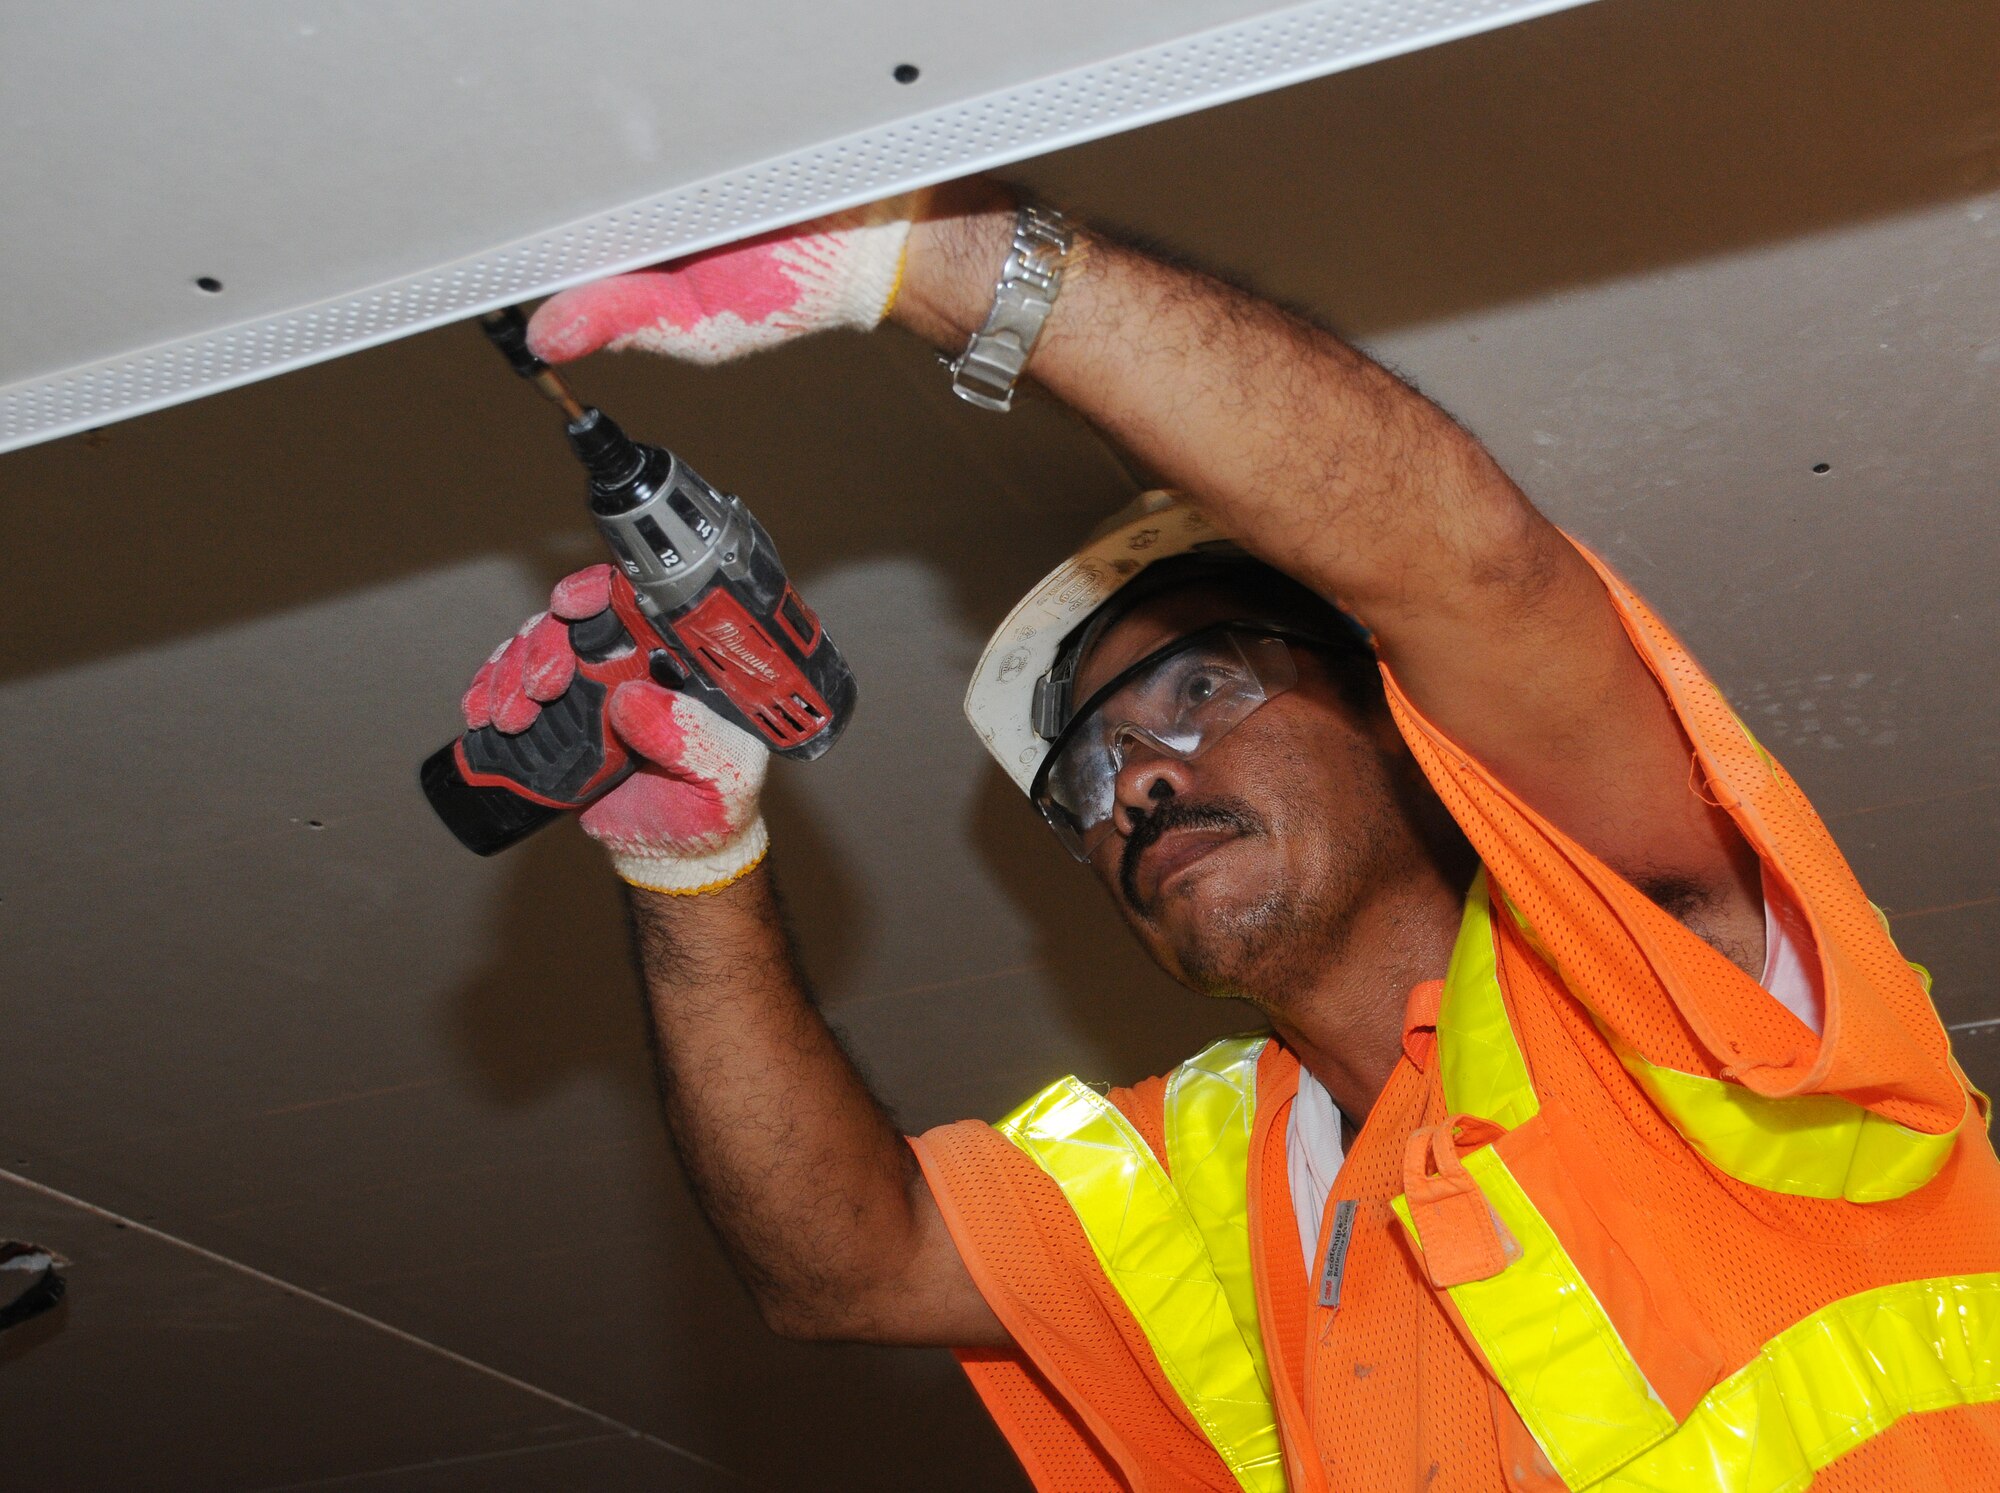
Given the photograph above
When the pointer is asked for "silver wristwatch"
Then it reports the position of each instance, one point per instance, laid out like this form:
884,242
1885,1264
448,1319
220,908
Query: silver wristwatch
987,370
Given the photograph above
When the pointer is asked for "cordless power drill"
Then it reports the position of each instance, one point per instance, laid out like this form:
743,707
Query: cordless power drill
699,603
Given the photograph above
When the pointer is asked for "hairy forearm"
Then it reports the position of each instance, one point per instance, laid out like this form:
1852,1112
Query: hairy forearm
1329,467
798,1167
1313,455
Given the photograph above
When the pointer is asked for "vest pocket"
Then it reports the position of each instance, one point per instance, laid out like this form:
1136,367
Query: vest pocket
1614,1248
1575,1324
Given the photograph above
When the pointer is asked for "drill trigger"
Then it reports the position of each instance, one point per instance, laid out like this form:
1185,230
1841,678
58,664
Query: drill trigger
667,669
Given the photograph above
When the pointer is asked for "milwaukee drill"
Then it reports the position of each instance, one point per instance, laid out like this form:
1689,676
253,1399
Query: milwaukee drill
699,603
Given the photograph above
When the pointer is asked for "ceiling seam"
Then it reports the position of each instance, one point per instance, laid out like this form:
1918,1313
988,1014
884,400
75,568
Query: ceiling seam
434,1463
400,1334
933,987
1923,800
1907,915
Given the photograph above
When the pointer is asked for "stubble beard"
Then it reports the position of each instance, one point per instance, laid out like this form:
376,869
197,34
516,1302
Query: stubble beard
1275,946
1242,951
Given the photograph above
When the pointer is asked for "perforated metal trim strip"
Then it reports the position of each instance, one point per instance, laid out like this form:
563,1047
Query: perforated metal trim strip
1177,77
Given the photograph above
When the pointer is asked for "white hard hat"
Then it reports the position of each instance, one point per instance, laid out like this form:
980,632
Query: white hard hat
1000,702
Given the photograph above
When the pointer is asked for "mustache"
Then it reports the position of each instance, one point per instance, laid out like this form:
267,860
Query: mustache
1173,814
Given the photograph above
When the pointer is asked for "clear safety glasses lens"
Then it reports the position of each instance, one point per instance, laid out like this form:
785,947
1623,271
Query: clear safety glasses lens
1175,703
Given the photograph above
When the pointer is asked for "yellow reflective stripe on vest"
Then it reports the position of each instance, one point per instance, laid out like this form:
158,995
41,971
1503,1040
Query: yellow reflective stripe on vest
1211,1106
1814,1145
1154,1255
1820,1388
1551,1345
1479,1061
1828,1383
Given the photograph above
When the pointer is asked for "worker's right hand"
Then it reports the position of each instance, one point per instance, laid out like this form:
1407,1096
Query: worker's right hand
686,821
838,271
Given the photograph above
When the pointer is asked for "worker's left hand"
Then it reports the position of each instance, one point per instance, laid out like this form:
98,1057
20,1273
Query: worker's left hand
686,820
837,271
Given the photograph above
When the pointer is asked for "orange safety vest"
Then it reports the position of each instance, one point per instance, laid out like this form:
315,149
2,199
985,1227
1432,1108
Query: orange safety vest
1617,1220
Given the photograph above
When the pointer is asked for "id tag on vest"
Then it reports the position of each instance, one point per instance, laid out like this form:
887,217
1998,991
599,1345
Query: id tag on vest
1336,1253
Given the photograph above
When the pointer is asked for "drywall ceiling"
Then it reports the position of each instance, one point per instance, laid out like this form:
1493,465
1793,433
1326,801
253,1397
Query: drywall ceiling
350,1135
243,188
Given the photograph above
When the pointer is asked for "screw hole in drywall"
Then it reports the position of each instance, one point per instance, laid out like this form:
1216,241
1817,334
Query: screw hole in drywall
315,824
904,72
1821,468
208,283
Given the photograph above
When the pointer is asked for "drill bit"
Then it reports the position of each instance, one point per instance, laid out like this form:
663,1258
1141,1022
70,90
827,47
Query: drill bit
613,458
508,330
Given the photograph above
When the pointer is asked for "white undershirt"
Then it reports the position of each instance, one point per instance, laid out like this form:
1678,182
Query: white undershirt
1313,1149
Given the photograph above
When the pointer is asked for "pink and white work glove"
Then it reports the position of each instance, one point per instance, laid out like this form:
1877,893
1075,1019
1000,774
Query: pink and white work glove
686,821
837,271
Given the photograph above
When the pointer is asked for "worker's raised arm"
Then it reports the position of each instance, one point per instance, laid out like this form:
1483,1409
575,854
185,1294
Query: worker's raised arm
1335,471
816,1196
1315,457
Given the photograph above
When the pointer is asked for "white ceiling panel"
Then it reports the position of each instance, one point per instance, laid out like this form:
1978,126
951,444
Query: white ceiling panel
198,195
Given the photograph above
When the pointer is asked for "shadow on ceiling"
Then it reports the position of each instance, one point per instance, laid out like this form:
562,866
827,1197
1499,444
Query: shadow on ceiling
1604,141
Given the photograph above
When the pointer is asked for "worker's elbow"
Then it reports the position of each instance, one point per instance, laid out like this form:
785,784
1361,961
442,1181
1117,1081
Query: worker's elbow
864,1313
800,1321
795,1325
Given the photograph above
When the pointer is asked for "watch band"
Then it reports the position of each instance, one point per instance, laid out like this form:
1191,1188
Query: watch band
986,372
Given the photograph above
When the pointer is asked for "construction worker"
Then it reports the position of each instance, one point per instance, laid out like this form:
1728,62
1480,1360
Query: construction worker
1602,1140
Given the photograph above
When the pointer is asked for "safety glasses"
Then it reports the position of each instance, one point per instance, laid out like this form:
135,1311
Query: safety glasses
1176,702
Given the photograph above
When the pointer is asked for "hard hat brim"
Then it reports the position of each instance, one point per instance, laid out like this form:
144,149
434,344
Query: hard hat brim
1000,700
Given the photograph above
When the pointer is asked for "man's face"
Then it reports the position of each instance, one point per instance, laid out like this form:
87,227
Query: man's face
1240,869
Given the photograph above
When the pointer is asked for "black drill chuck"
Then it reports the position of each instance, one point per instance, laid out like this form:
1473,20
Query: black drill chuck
612,457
